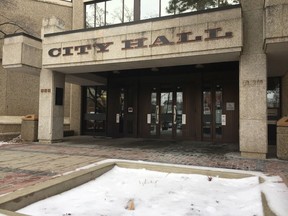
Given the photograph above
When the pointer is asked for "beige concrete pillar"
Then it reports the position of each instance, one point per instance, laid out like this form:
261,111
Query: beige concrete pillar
75,109
51,95
78,15
253,83
52,25
51,106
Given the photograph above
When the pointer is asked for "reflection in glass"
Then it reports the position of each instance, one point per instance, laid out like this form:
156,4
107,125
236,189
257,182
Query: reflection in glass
207,117
122,110
109,13
96,100
91,100
164,8
128,11
101,13
90,18
179,112
218,111
114,12
273,93
95,109
184,6
173,7
154,114
149,9
95,15
166,113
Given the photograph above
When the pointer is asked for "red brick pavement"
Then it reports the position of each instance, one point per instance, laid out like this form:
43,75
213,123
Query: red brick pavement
208,155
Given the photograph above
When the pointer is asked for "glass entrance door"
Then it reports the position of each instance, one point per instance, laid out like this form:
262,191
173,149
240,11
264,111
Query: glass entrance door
212,107
125,112
94,110
166,113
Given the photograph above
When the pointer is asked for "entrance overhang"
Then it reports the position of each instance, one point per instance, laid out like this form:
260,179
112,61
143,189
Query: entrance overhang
229,56
277,52
85,79
184,40
276,37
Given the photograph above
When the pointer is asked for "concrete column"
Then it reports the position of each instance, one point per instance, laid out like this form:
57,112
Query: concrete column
52,91
78,15
51,116
75,109
253,83
52,25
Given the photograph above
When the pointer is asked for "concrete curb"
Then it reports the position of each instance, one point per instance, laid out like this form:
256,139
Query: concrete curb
24,197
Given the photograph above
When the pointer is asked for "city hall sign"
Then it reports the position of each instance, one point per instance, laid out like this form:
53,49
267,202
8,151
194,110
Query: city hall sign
140,43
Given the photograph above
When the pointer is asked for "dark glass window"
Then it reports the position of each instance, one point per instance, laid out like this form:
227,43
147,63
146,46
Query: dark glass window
273,93
59,96
273,107
102,13
109,12
94,110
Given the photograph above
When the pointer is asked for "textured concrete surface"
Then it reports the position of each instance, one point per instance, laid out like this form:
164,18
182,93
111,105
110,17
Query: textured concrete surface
24,164
282,142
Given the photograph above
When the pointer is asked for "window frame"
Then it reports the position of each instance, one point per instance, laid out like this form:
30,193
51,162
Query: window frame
137,12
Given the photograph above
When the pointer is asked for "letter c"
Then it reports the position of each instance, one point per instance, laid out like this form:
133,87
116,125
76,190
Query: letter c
55,52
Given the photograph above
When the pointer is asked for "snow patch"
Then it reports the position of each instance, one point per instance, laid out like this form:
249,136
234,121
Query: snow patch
13,141
157,193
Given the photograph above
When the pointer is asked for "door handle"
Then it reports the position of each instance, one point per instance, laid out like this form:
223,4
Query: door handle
157,114
174,115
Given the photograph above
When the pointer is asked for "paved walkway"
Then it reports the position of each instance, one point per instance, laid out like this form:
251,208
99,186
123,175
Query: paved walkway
24,164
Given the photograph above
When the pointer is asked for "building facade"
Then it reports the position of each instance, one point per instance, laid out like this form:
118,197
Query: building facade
19,92
215,71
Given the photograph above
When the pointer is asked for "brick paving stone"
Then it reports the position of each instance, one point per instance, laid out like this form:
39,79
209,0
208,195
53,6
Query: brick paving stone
26,164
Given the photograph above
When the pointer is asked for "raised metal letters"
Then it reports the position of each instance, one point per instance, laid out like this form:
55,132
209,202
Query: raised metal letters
161,40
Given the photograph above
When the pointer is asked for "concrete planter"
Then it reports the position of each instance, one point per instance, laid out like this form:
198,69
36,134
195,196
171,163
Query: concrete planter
282,138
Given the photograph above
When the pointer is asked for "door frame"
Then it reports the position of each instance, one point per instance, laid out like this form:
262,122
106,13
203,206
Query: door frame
209,108
122,118
154,116
229,115
96,118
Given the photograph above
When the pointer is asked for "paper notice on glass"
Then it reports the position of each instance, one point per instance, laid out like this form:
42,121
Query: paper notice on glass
183,119
223,120
230,106
117,118
148,118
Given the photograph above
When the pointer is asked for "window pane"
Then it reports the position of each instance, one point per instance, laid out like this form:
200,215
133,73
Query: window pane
179,112
175,7
114,12
153,113
218,111
101,100
165,8
273,93
90,15
129,11
149,9
207,117
100,14
166,113
91,99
